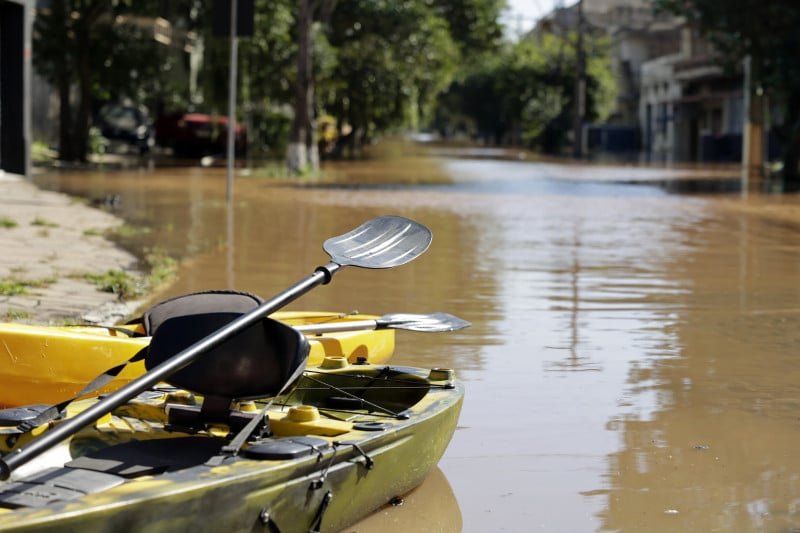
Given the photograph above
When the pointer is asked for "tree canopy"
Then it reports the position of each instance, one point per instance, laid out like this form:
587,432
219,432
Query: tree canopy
525,93
377,66
96,46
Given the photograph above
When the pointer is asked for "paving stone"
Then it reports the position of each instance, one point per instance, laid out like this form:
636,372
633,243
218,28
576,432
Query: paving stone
57,239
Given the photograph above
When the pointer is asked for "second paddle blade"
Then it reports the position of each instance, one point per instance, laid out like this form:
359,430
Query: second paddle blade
430,323
382,242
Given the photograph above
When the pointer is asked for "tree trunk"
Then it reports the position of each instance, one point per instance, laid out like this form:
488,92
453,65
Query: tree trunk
302,153
83,118
791,148
66,151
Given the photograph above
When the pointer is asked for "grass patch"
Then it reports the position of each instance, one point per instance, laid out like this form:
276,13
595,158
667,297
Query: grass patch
16,314
17,287
126,285
279,171
41,153
118,282
127,231
162,267
8,223
39,221
9,287
40,283
93,232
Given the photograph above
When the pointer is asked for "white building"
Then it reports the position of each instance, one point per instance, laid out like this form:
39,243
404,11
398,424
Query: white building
689,109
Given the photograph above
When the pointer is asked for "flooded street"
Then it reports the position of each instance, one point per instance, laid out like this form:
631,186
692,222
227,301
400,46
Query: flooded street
631,363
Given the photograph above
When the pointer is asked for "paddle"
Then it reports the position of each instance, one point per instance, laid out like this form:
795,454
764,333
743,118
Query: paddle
434,322
383,242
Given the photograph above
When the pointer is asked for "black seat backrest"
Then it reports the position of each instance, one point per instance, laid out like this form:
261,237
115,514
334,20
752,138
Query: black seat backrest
254,363
196,303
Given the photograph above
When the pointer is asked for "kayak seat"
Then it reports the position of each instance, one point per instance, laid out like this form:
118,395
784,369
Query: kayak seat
196,303
255,363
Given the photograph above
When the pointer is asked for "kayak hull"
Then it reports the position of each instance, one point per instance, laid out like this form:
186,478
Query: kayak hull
330,489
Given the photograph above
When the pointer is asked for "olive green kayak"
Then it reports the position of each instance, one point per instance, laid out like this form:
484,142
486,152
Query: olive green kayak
343,442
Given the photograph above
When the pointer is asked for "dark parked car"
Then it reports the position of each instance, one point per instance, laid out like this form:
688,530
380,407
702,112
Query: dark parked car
126,124
198,134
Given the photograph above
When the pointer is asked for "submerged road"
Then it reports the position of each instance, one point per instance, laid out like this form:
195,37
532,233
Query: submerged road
631,361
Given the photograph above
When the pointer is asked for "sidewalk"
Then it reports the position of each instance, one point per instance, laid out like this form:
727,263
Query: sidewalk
50,240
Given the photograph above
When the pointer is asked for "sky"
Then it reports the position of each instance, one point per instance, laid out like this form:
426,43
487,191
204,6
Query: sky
524,13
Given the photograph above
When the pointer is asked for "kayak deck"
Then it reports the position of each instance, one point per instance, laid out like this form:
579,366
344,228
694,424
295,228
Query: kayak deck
343,443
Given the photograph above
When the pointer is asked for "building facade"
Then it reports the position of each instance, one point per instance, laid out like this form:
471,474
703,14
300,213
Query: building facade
674,103
15,73
690,110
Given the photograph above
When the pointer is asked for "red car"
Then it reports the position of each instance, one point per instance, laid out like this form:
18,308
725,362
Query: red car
198,134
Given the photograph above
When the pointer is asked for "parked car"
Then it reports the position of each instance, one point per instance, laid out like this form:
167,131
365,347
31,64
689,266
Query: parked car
127,125
198,134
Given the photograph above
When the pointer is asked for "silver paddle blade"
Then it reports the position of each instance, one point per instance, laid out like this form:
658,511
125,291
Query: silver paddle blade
430,323
382,242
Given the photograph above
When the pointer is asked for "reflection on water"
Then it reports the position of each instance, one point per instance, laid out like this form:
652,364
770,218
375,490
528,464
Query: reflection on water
431,507
631,364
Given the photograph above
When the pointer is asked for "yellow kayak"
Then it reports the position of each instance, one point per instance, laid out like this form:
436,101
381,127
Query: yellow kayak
49,364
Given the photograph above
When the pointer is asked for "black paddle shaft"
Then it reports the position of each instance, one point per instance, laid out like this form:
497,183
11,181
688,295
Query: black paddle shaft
122,395
383,242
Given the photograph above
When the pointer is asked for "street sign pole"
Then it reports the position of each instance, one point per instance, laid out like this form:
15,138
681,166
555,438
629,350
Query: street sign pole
232,103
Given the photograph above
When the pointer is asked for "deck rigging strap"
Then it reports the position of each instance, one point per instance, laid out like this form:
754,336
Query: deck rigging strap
55,411
316,525
359,398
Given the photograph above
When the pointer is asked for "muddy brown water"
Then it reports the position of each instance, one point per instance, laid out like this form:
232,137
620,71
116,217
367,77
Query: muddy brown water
632,364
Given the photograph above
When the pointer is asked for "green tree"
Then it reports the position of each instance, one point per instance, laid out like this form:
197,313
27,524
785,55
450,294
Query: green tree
266,74
474,25
525,93
767,32
99,47
393,59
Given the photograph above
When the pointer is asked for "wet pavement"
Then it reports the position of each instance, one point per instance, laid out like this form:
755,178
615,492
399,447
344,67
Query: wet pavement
630,364
50,242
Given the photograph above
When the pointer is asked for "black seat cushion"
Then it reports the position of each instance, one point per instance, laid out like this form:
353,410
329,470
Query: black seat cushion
254,363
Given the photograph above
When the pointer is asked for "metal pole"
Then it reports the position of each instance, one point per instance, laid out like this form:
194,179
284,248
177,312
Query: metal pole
746,132
232,103
580,89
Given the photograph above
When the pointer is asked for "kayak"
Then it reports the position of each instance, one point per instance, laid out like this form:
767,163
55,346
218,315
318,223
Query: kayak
229,429
344,442
48,364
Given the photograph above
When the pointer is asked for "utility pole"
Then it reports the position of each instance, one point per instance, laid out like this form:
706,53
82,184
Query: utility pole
752,132
234,49
580,89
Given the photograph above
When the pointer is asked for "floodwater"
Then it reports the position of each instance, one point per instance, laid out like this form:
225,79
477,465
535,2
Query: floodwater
632,363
